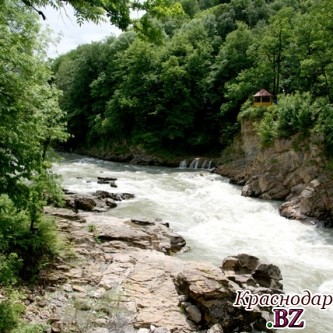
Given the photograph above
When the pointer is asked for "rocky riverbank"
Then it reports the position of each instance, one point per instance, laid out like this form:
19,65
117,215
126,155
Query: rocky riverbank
294,171
119,275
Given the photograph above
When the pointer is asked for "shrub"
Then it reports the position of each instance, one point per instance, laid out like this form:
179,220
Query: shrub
28,328
10,312
267,128
24,249
293,114
249,112
10,267
324,124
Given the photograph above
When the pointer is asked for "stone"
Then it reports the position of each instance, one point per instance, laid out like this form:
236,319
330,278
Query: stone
110,203
247,191
217,328
113,184
177,242
230,264
106,283
142,159
193,313
102,194
42,303
144,330
79,289
56,327
241,264
244,280
267,275
182,299
248,262
105,180
84,203
126,196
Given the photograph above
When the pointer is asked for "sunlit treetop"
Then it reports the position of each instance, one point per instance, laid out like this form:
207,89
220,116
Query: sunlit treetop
117,11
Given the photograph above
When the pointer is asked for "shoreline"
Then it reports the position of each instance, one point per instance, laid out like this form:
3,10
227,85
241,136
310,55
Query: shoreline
120,275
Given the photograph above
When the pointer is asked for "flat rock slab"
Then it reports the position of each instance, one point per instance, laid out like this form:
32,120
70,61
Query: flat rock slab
151,286
154,235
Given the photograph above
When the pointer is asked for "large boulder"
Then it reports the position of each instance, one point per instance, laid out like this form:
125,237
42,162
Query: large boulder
209,293
145,234
248,271
84,202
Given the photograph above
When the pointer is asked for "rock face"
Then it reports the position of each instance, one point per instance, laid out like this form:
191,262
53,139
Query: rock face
210,292
119,277
291,170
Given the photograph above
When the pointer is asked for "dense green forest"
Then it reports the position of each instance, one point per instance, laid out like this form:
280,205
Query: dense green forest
181,81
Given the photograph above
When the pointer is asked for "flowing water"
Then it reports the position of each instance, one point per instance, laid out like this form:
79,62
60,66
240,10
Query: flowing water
217,221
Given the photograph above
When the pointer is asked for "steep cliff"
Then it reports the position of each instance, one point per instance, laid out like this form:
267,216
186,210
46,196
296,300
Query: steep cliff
293,170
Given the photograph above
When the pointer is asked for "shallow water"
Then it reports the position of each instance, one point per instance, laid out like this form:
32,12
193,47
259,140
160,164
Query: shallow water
217,221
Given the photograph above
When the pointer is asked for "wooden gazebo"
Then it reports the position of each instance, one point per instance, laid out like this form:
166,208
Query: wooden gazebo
262,98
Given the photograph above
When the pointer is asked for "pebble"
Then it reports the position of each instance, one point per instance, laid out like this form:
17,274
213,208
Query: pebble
79,289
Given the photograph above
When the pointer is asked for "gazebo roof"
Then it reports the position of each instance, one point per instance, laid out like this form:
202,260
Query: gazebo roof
262,92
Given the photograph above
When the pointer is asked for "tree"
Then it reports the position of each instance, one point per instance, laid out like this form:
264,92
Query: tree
93,10
117,11
30,121
76,71
313,36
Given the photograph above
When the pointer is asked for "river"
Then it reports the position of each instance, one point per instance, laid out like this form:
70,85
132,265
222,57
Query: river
217,221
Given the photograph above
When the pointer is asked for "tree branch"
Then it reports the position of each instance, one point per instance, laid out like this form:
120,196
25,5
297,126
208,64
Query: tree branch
39,12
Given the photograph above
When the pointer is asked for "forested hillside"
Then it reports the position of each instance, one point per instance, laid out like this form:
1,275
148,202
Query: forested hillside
178,81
